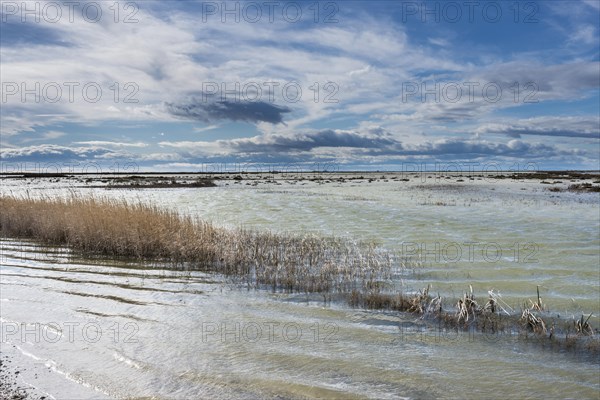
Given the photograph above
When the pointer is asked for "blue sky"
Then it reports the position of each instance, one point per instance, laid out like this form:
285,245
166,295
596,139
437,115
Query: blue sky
365,85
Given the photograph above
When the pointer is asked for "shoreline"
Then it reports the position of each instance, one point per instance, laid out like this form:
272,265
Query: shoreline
25,377
12,384
576,182
9,387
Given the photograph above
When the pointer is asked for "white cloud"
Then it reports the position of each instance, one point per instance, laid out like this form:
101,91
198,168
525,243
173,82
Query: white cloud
593,3
585,34
550,126
205,128
112,144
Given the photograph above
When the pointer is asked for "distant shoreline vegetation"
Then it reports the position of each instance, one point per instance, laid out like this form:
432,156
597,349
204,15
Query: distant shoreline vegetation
553,181
359,273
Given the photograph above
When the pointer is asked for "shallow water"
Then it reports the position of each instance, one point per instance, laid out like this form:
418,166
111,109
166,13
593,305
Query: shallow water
182,334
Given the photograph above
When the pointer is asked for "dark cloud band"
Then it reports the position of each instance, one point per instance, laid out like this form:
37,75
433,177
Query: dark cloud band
208,110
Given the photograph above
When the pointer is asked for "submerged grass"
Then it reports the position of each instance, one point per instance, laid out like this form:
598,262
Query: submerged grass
361,272
493,319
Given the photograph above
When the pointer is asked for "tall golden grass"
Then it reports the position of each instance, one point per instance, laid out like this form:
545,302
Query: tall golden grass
118,228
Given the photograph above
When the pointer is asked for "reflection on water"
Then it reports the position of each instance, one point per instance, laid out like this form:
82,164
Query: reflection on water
125,329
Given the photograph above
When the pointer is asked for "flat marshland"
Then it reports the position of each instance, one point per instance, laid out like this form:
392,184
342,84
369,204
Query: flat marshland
361,283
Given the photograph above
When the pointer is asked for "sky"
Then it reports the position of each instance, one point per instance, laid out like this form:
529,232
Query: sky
377,85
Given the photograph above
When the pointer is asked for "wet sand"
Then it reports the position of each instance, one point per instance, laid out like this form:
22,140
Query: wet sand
10,386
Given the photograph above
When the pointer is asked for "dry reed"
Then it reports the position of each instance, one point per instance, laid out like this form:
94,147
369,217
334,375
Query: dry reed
117,228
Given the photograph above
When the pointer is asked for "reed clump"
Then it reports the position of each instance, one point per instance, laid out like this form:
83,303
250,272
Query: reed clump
117,228
495,317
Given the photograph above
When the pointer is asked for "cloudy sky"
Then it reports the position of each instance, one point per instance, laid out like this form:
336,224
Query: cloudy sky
365,85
